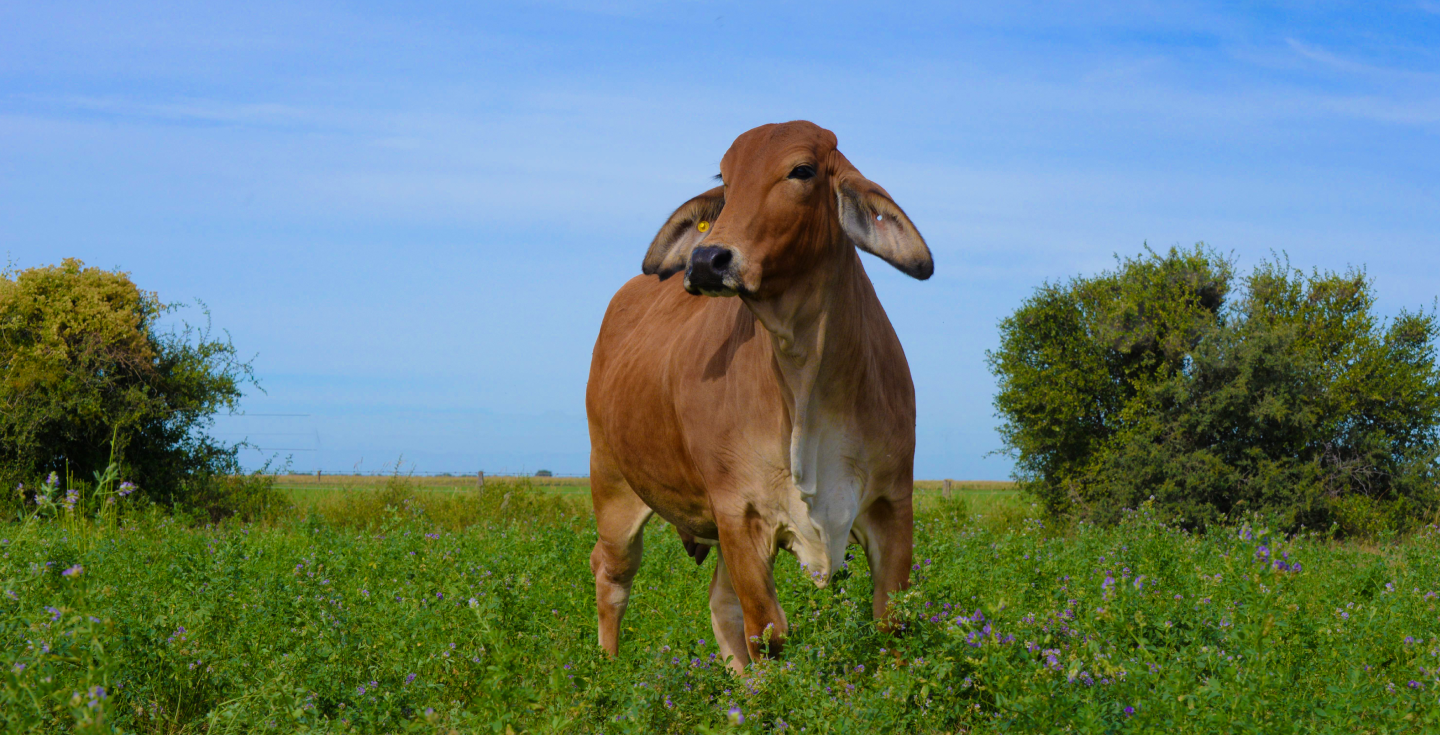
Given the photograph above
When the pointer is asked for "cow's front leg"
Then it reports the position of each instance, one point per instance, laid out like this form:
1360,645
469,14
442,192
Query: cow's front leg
747,549
887,531
727,618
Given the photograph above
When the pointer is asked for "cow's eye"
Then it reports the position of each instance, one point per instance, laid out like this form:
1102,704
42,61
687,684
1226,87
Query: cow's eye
803,171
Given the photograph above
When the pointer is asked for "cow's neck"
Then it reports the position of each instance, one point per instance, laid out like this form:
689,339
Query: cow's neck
813,330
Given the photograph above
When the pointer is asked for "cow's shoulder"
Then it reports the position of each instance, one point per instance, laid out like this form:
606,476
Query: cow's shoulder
648,301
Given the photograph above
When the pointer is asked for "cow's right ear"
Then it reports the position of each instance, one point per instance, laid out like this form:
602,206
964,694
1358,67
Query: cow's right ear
670,251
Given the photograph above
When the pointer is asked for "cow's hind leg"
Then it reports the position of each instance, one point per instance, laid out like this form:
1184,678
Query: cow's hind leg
620,517
887,532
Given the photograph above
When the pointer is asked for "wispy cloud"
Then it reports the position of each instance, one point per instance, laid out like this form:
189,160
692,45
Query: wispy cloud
185,110
1388,94
1341,63
1420,113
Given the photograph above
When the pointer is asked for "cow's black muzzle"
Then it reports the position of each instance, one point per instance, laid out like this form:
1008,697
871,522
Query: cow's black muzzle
707,270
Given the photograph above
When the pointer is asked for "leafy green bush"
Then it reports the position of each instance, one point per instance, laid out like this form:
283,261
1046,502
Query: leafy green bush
252,497
1292,399
87,376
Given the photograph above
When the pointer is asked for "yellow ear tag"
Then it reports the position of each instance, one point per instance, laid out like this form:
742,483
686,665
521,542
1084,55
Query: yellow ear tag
703,226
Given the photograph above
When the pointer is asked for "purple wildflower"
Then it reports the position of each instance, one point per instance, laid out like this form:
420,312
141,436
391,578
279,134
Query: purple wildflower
409,678
74,571
126,488
1129,711
54,613
736,716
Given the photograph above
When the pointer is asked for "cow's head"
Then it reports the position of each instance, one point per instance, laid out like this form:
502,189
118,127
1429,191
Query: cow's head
789,200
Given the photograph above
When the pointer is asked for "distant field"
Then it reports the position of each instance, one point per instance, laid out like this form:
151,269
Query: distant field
457,482
307,489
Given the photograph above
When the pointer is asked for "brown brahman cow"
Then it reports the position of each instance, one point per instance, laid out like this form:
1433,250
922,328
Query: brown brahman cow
782,418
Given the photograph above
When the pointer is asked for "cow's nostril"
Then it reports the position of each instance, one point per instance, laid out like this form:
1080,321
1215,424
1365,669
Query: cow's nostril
708,268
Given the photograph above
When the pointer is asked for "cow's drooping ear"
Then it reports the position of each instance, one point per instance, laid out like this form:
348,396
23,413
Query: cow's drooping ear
878,226
670,250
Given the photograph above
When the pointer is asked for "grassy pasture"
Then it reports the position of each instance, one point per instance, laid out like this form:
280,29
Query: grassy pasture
407,606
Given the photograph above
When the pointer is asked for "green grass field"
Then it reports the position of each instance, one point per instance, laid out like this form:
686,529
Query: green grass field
413,606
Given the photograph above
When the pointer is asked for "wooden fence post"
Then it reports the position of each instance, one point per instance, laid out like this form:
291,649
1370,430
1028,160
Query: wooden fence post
317,475
946,489
480,480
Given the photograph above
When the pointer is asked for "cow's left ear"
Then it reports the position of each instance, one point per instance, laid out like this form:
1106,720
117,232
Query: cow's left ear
670,250
879,227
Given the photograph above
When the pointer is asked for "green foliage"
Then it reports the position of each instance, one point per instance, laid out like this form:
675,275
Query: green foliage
87,376
1292,399
404,625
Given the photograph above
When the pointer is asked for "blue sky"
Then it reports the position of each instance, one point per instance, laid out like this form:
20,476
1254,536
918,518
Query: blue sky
413,217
